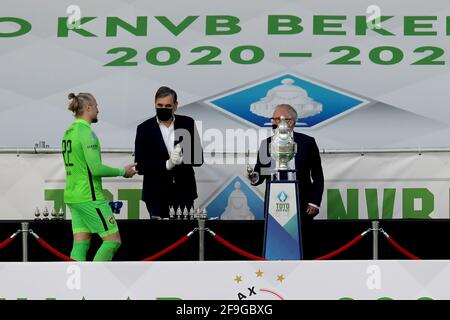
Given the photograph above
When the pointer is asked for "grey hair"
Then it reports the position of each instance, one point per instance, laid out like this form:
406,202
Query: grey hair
290,109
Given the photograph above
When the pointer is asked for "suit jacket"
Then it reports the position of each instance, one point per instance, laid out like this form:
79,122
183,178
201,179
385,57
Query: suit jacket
307,163
151,155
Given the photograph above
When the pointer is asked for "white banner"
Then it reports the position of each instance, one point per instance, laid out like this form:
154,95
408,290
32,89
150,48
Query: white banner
369,186
361,75
227,280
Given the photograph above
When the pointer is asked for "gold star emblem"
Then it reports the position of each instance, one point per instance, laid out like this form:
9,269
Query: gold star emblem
259,273
238,279
280,278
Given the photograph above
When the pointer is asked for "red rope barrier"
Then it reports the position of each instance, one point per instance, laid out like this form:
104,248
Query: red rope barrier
234,248
6,242
169,248
343,248
401,249
53,250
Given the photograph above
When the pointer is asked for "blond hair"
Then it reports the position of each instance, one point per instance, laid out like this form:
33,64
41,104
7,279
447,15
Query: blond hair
79,102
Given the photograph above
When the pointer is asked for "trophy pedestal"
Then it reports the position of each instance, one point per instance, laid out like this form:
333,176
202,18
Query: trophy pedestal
282,232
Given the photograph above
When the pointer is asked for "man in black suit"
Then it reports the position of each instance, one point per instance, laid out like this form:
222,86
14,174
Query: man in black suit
167,147
307,162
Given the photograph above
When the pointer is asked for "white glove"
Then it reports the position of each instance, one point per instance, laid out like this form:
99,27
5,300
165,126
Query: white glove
176,158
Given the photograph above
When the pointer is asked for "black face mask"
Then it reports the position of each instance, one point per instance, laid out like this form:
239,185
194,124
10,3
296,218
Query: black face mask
163,114
274,126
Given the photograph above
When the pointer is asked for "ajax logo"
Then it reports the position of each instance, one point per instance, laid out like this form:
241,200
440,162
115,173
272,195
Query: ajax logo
257,290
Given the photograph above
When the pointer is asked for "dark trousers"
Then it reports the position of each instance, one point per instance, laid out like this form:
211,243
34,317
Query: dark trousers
306,239
160,209
307,224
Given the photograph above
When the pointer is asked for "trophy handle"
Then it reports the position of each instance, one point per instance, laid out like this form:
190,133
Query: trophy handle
251,174
247,162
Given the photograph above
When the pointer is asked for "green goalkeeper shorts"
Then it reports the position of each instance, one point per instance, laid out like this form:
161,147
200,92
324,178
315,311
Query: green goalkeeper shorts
93,217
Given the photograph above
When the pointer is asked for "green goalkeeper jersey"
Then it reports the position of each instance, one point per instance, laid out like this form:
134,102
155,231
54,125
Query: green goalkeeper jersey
83,163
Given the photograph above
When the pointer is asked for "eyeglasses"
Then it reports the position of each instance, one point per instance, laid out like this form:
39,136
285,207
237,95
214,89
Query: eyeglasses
288,120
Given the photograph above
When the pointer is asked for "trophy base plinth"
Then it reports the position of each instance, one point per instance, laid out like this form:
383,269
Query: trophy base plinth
284,175
282,231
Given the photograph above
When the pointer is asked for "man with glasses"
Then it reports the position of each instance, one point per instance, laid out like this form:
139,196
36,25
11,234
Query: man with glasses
167,147
307,162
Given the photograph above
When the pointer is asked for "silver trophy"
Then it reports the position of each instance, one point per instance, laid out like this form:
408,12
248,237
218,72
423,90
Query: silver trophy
61,214
197,213
53,214
185,213
283,147
171,212
45,213
178,213
204,214
37,214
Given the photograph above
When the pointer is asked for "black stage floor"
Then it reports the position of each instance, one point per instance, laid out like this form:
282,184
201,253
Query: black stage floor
426,239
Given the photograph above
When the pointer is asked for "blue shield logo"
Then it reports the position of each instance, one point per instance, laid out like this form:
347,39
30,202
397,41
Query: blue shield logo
282,196
315,103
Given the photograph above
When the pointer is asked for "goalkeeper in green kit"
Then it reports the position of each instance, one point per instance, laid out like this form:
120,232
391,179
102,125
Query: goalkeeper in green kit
83,194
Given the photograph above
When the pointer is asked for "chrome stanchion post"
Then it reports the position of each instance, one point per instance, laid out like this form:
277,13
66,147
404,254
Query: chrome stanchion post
24,230
201,239
375,230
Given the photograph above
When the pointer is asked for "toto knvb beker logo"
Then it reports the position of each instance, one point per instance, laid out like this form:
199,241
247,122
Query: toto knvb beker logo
282,206
282,196
315,103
